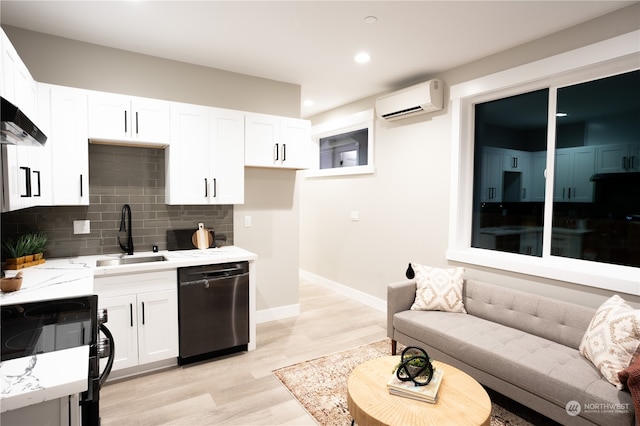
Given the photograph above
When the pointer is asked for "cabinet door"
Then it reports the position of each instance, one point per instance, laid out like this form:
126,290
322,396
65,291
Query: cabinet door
227,162
612,158
157,326
188,156
538,180
150,120
122,315
262,140
563,176
513,160
109,116
295,137
491,176
583,169
70,149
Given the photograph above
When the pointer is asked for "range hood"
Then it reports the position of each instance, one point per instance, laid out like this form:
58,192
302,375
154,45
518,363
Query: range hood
17,128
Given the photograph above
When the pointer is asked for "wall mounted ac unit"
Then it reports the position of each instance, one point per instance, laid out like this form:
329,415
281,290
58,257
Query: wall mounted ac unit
419,99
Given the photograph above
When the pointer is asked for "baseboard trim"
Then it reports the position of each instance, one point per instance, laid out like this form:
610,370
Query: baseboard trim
278,313
357,295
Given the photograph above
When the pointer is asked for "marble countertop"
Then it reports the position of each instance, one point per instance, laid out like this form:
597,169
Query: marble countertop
23,385
34,379
73,276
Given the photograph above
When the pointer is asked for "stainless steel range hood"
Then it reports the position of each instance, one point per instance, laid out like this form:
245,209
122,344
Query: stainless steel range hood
17,128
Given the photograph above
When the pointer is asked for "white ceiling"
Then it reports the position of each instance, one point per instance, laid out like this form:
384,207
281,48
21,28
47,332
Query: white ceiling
310,43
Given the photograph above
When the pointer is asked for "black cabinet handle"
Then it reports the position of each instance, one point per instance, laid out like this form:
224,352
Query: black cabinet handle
284,151
136,122
125,121
206,189
215,188
37,173
142,313
131,313
81,184
277,149
27,181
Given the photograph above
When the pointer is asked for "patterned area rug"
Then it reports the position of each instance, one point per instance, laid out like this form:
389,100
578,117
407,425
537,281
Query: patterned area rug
320,385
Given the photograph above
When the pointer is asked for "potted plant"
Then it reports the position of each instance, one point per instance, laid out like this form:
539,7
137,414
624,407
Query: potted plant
15,249
38,243
24,249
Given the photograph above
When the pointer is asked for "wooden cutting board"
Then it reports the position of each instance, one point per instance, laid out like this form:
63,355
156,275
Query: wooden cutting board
202,238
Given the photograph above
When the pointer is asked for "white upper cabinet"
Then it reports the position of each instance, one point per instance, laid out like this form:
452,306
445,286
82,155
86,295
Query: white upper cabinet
618,158
272,141
227,157
574,168
18,87
129,120
25,169
67,140
205,160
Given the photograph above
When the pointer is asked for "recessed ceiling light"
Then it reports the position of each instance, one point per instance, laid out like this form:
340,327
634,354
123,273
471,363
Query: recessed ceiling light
362,58
370,19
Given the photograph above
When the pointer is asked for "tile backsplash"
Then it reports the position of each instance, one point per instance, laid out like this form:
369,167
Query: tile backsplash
118,175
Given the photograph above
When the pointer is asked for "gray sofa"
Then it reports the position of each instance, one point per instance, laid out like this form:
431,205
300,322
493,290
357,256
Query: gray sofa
519,344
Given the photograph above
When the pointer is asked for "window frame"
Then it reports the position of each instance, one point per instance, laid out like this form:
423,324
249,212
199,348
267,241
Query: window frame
357,121
609,57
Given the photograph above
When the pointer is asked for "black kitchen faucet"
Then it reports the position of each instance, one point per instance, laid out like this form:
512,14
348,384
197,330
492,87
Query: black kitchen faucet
126,217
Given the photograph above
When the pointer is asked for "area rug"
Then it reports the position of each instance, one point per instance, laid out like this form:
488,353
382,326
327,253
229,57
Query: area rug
320,385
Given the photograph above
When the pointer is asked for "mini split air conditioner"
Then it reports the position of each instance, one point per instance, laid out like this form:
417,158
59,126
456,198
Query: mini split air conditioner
419,99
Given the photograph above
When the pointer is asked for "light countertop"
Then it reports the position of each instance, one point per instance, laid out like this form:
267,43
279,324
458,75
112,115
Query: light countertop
73,276
34,379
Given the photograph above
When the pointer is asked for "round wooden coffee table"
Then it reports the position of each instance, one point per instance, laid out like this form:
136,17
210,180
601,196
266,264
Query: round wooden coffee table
461,400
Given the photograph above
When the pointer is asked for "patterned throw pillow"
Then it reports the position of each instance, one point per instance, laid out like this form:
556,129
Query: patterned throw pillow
438,289
612,338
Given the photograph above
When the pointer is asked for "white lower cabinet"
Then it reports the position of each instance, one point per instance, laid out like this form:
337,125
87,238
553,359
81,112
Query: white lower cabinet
142,314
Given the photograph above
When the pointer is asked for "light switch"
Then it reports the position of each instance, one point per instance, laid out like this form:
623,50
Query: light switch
247,221
355,216
81,227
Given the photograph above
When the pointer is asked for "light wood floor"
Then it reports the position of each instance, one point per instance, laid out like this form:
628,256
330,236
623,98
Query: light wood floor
240,389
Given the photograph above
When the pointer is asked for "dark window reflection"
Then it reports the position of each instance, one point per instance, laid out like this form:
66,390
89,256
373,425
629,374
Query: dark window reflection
344,150
509,183
596,208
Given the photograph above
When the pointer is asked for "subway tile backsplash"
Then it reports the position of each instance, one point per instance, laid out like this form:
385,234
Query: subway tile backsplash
118,175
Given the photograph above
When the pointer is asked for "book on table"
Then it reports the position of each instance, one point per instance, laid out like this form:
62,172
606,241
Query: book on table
427,393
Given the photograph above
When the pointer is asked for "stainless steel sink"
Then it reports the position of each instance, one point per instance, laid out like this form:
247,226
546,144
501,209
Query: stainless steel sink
130,260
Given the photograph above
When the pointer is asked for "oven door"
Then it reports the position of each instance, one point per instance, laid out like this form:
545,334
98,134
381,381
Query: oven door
47,326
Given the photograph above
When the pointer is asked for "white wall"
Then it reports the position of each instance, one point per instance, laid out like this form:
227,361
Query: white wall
404,207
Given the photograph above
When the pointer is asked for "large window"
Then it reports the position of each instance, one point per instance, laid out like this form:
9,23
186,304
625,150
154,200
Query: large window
554,150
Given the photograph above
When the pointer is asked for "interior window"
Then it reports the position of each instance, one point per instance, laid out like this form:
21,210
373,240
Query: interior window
344,146
344,150
509,183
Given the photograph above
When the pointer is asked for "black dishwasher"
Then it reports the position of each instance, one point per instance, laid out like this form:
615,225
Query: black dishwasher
213,310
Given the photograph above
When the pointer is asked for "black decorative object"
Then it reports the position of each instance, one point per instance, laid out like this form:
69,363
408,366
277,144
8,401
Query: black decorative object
415,366
410,273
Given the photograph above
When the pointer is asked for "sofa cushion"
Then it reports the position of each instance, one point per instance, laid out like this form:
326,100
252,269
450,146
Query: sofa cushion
612,338
438,289
545,368
559,321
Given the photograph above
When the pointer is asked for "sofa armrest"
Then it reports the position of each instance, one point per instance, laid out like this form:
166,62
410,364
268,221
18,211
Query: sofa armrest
400,297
